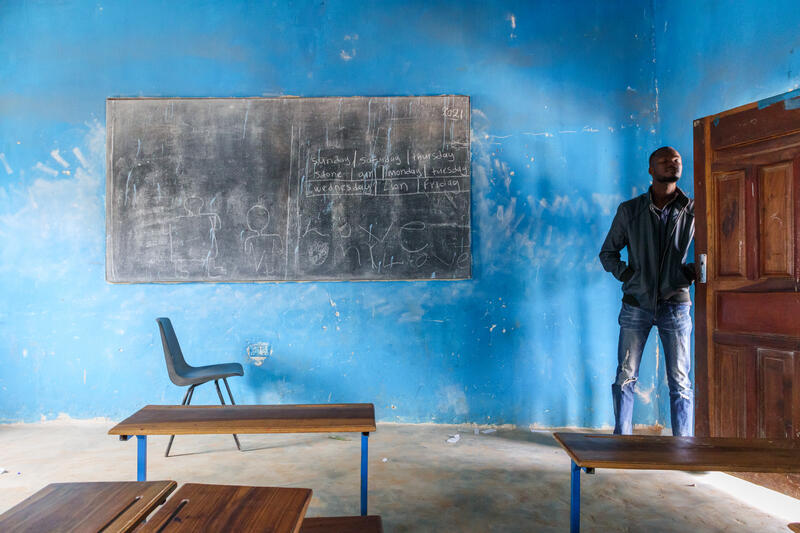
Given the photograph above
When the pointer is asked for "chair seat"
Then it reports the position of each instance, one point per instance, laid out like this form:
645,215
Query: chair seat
196,375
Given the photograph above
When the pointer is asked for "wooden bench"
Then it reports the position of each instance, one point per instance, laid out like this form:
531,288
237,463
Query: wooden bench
590,451
108,506
218,508
225,419
121,506
342,524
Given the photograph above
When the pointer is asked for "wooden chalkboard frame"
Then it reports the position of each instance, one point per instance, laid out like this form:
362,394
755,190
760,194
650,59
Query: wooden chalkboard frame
288,189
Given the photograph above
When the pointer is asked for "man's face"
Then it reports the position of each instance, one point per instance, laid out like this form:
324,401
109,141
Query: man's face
666,166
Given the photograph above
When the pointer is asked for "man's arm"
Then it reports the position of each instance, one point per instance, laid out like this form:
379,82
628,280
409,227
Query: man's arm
616,240
690,272
690,269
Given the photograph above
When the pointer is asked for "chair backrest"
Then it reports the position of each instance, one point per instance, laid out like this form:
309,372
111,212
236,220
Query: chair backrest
176,364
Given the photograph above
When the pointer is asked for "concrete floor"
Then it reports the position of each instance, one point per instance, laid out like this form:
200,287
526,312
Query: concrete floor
511,480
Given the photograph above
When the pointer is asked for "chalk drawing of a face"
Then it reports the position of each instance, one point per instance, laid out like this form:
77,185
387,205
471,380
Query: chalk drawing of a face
193,205
318,252
258,218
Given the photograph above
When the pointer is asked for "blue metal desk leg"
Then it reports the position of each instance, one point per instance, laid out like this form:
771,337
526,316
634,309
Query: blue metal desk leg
575,500
364,458
141,459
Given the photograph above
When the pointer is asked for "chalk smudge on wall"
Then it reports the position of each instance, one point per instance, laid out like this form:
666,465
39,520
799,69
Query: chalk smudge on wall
453,399
60,221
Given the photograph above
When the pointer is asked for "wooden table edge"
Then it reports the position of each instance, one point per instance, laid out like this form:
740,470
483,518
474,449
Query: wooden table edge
557,436
757,443
665,466
246,405
174,430
130,429
686,467
299,524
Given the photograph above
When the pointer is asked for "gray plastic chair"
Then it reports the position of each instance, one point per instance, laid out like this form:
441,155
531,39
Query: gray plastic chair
182,373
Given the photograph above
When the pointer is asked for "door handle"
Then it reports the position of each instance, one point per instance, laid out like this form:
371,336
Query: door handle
701,268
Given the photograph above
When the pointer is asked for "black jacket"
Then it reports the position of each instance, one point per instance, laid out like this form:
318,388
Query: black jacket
649,277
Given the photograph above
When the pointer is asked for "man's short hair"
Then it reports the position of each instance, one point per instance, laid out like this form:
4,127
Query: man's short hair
657,152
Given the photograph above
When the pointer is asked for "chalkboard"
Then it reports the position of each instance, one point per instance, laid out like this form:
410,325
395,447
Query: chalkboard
274,189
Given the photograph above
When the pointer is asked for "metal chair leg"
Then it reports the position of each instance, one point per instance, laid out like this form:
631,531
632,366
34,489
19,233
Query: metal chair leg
225,381
219,392
222,401
171,438
186,399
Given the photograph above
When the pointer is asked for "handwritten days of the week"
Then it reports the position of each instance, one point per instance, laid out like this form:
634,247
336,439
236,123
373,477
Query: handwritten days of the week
387,187
327,167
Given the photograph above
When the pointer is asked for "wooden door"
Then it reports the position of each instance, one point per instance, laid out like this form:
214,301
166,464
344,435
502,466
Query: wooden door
747,349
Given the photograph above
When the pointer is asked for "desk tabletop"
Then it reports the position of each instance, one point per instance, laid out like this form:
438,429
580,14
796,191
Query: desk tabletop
222,419
110,506
213,508
680,453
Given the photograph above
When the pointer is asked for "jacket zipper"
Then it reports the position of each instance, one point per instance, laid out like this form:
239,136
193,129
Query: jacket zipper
661,264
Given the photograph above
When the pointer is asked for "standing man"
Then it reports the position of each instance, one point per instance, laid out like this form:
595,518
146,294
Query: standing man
658,228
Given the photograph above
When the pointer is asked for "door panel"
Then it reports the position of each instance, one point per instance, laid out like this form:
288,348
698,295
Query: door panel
756,122
775,313
775,371
730,417
747,182
775,220
730,219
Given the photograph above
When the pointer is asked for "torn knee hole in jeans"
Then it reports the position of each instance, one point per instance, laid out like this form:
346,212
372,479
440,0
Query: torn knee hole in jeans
627,381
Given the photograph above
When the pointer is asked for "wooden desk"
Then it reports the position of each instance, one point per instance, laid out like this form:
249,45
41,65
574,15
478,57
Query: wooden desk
644,452
224,419
212,508
110,506
343,524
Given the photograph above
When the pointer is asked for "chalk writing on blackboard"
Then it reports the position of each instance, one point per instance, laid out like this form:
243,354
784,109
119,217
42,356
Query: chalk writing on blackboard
280,189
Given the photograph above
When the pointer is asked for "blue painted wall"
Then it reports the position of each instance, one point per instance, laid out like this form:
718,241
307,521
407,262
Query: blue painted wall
564,116
712,56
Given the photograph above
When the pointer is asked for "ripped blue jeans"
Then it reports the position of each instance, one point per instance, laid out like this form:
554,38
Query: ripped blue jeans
674,323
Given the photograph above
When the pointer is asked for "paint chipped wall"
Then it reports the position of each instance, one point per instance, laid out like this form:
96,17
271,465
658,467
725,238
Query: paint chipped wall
714,56
563,119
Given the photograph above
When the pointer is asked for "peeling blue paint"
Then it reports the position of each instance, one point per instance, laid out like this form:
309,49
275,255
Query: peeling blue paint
793,103
785,97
